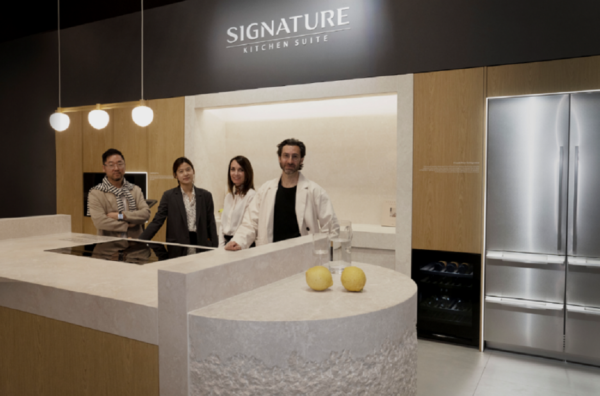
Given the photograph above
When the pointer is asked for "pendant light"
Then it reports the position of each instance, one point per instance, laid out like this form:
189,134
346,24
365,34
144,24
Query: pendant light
142,114
98,118
59,120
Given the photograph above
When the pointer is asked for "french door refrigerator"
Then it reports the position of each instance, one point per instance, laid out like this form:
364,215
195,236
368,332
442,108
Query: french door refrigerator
543,226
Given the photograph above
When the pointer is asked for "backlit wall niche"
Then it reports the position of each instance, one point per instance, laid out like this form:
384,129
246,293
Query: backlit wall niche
351,148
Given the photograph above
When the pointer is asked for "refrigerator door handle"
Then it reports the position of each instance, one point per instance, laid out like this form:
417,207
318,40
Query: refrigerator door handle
560,203
527,258
583,310
584,261
575,191
524,303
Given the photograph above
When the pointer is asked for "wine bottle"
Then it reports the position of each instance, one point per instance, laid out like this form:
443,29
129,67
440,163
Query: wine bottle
464,268
439,266
452,266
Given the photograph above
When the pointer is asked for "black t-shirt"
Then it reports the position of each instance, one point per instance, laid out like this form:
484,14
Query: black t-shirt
285,223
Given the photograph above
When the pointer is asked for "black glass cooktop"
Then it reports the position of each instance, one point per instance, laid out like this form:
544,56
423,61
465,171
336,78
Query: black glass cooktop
132,252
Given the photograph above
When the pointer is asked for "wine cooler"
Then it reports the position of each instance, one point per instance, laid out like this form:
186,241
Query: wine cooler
448,295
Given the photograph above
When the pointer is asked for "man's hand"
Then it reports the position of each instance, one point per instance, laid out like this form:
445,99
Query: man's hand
232,245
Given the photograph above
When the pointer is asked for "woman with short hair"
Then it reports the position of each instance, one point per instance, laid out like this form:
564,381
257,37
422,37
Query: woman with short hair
189,211
240,187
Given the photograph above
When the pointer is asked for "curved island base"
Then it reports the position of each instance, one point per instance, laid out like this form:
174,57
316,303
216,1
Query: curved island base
284,338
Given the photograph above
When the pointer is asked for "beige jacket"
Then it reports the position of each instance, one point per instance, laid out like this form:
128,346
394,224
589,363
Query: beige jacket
101,204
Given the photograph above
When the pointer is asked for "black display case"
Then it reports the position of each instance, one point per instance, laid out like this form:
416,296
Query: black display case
449,290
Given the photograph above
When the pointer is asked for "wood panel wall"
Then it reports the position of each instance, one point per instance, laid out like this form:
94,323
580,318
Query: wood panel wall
96,142
69,172
149,149
165,145
449,116
566,75
41,356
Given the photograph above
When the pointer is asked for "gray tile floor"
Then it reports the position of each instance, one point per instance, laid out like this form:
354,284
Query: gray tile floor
451,370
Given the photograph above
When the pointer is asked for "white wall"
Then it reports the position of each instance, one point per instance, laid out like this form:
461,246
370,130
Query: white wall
352,158
372,164
209,155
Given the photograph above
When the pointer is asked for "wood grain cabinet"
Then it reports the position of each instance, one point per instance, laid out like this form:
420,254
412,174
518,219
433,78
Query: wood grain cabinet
449,112
46,357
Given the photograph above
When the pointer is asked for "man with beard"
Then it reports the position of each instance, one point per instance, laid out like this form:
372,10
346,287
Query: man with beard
286,207
117,207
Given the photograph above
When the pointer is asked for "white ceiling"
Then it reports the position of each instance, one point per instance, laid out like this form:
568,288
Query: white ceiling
344,107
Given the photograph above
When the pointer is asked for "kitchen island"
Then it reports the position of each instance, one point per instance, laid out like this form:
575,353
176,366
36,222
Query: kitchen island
87,326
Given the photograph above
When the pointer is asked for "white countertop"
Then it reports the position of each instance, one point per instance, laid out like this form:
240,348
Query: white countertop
25,260
291,299
114,297
372,236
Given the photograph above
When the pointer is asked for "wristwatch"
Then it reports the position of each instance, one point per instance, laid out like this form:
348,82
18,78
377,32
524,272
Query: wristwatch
120,216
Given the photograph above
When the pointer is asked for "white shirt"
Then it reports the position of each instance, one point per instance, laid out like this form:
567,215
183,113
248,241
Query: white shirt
190,209
233,213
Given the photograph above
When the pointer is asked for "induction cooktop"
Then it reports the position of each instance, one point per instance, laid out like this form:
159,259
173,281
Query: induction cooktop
131,252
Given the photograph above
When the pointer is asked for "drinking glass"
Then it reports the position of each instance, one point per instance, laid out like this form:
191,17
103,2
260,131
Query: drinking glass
341,248
321,249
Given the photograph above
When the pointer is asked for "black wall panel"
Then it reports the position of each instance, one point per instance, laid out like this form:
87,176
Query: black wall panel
186,54
185,50
101,62
28,96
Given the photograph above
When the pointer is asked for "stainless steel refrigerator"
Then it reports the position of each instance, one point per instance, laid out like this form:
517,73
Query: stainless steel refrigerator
542,256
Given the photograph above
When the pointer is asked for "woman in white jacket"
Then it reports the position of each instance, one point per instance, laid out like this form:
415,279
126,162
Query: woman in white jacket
240,187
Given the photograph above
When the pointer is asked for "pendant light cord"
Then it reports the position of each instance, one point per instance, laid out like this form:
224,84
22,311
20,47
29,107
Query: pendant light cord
59,82
142,62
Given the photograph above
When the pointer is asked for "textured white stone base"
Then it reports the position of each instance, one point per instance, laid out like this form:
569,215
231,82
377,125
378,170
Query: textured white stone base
389,370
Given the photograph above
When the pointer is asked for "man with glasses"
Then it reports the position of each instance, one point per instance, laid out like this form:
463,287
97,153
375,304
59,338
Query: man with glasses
117,207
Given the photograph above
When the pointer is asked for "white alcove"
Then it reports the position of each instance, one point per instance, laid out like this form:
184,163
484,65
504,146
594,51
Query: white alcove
350,146
358,135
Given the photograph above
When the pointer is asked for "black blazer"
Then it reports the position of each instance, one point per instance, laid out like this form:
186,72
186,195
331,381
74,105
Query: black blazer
172,208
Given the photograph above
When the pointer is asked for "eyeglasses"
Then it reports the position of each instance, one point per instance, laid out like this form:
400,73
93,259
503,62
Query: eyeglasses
111,165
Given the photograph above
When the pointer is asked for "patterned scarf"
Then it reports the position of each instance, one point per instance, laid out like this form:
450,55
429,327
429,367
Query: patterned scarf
124,191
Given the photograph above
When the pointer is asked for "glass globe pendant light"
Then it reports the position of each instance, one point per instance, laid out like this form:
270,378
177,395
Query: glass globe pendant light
98,118
59,121
142,115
